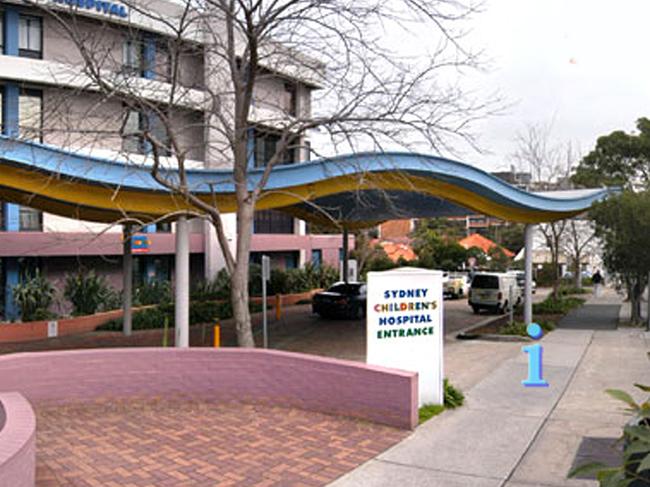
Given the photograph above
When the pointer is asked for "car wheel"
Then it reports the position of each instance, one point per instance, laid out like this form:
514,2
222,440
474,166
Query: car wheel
358,313
476,309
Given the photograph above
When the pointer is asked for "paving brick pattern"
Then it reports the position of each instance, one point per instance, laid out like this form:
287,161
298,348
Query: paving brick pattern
189,442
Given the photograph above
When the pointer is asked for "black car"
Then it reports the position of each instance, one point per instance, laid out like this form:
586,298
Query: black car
342,300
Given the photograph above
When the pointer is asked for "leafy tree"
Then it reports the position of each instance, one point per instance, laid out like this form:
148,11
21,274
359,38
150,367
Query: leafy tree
499,261
436,252
450,229
619,159
510,236
623,225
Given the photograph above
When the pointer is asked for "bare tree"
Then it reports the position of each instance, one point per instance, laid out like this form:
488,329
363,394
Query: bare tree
580,240
368,96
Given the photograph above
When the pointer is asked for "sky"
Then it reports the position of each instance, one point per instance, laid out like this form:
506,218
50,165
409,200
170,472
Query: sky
580,66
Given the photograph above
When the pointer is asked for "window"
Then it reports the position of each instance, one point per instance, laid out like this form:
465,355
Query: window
134,126
163,227
266,145
30,115
31,220
30,37
132,56
270,221
316,257
2,35
163,62
132,132
291,99
158,133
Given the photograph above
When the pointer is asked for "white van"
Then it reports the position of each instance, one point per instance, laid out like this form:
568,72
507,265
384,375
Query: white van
491,290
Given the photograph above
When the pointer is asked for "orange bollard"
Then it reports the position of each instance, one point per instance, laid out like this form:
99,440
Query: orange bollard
217,336
278,307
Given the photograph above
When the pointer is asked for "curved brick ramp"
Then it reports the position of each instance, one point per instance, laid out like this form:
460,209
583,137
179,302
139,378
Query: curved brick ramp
206,417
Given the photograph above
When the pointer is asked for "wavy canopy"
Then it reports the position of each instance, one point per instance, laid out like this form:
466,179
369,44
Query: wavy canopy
355,190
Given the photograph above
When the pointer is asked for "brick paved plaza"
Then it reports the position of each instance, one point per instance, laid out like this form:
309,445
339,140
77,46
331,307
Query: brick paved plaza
182,442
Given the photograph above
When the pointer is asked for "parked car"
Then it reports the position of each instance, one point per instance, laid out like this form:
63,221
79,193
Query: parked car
491,291
521,278
454,285
342,300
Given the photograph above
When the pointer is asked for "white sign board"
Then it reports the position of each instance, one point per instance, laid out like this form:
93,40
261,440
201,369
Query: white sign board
405,326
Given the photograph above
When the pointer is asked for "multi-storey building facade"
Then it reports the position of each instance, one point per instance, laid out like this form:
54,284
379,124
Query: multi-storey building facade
43,98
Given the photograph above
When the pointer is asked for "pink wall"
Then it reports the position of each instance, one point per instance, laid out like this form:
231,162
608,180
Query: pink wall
17,442
46,244
231,374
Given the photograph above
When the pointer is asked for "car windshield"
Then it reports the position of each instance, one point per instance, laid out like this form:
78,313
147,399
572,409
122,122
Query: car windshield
345,288
485,282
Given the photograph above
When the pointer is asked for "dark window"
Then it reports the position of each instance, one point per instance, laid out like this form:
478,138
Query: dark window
30,37
317,257
347,289
266,145
31,220
271,221
2,35
482,281
163,227
290,99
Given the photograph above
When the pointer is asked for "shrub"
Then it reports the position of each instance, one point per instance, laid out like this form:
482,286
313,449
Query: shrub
217,288
453,397
518,328
87,292
153,292
34,295
636,447
155,317
557,305
569,290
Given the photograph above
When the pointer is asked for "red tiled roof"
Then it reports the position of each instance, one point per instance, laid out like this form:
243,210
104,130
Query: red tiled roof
395,250
483,243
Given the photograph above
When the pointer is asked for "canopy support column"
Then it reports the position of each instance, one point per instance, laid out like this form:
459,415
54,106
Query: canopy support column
345,255
127,282
182,289
528,274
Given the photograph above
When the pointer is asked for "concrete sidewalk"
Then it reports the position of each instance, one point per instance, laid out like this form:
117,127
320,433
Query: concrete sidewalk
509,435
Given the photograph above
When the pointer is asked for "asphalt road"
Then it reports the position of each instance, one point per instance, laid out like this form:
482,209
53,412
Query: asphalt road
301,331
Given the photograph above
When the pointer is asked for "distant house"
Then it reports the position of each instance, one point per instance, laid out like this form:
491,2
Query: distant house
483,243
396,250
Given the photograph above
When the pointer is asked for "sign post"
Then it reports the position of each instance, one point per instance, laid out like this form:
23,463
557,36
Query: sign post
266,276
405,326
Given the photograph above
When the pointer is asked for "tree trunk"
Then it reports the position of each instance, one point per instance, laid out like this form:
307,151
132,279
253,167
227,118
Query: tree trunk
635,303
577,277
239,278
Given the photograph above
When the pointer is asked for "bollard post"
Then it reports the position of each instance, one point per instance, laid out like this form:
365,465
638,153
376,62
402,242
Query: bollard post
278,307
217,335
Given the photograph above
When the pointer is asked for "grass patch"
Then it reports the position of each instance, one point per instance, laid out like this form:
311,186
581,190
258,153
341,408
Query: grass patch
428,411
453,398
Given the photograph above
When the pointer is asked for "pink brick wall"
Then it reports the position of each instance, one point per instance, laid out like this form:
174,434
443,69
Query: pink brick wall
230,374
17,442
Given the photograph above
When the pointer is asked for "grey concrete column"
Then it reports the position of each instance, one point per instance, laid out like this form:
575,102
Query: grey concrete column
127,282
528,274
345,255
182,285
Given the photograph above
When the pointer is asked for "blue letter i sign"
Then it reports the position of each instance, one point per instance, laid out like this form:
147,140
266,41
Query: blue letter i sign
534,352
